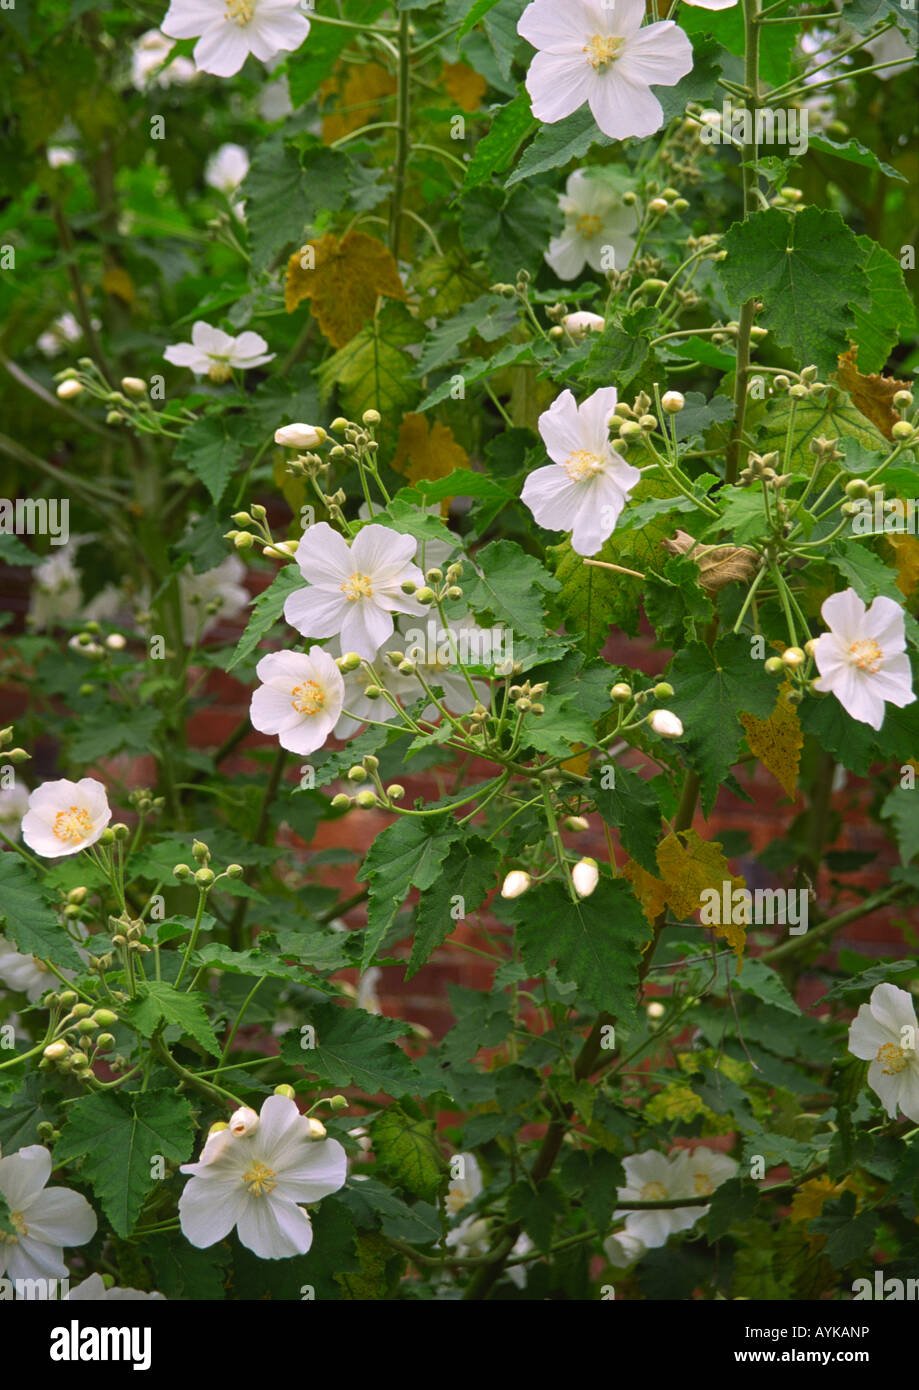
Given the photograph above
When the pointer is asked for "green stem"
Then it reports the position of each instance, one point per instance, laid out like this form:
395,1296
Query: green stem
403,108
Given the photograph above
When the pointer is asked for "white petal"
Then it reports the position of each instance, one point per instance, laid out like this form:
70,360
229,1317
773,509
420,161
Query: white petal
844,613
893,1008
273,1229
222,51
658,56
365,627
209,1210
623,108
557,86
567,255
23,1175
315,612
560,427
61,1217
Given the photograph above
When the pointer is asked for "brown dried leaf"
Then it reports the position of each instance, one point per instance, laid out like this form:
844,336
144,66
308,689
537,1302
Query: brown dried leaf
718,564
778,740
344,283
871,395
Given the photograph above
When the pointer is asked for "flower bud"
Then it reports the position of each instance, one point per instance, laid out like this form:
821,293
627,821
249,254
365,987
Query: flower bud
133,386
105,1042
371,417
579,324
585,876
17,755
515,883
57,1051
665,723
69,390
300,436
773,666
856,487
902,430
338,1103
201,852
658,205
395,792
244,540
285,1090
317,1128
349,662
408,587
663,691
68,997
105,1018
425,595
217,1127
673,402
903,400
81,1010
621,693
181,872
86,1025
357,773
366,800
340,802
205,877
793,658
243,1121
234,871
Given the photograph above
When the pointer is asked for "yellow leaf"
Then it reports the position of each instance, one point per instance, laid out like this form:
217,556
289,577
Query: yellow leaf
427,451
676,1102
466,87
777,741
580,762
358,98
906,559
871,395
118,282
688,866
343,283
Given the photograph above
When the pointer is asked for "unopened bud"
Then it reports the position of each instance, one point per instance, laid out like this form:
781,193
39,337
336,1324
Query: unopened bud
585,876
673,402
666,724
285,1090
515,883
243,1121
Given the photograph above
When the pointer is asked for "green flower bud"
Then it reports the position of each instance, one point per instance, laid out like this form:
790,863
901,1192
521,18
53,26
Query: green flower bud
338,1103
424,594
105,1018
205,877
663,691
285,1090
366,800
68,997
201,852
81,1010
105,1042
234,871
621,693
181,872
57,1051
86,1025
395,792
340,802
357,773
773,666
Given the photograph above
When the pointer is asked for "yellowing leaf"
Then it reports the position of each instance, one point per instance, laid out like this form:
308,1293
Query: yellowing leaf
465,86
688,865
118,282
427,450
777,741
808,1201
676,1102
342,283
906,559
871,395
357,99
580,762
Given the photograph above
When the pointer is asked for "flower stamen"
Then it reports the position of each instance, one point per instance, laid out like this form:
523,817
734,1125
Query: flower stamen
357,587
602,50
654,1192
589,225
866,655
895,1059
72,825
307,698
259,1179
6,1237
239,12
583,464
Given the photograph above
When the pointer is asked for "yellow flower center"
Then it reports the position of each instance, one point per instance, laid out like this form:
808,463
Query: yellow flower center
583,464
701,1184
456,1200
588,224
654,1192
357,587
895,1059
260,1180
307,697
219,370
6,1238
72,825
602,50
239,12
866,655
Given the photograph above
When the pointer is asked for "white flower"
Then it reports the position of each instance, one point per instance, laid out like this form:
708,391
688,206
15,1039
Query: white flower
367,997
45,1220
357,708
583,322
436,650
666,724
300,436
274,102
59,156
93,1290
63,330
699,1171
601,55
585,876
471,1236
148,56
299,700
23,973
862,659
14,802
214,354
56,591
651,1177
353,590
623,1249
227,168
429,553
256,1182
586,486
516,883
884,1033
223,585
65,817
595,219
230,30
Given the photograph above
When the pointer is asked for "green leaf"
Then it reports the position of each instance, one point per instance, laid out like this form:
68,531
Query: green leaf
487,316
732,1201
510,230
510,124
632,807
477,369
406,1151
558,143
261,964
854,152
210,454
158,1002
373,371
407,854
902,807
511,588
353,1048
105,732
28,921
14,552
760,979
865,982
699,83
477,12
117,1134
831,414
890,315
468,872
595,942
538,1210
807,271
619,351
282,196
776,44
266,611
850,741
712,690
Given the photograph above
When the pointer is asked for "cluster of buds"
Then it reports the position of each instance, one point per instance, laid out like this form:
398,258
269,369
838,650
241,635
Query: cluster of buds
858,491
144,802
787,199
127,934
796,664
437,586
662,200
804,385
244,539
77,1041
368,799
74,904
131,404
204,877
91,643
663,721
761,469
11,755
574,326
527,697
